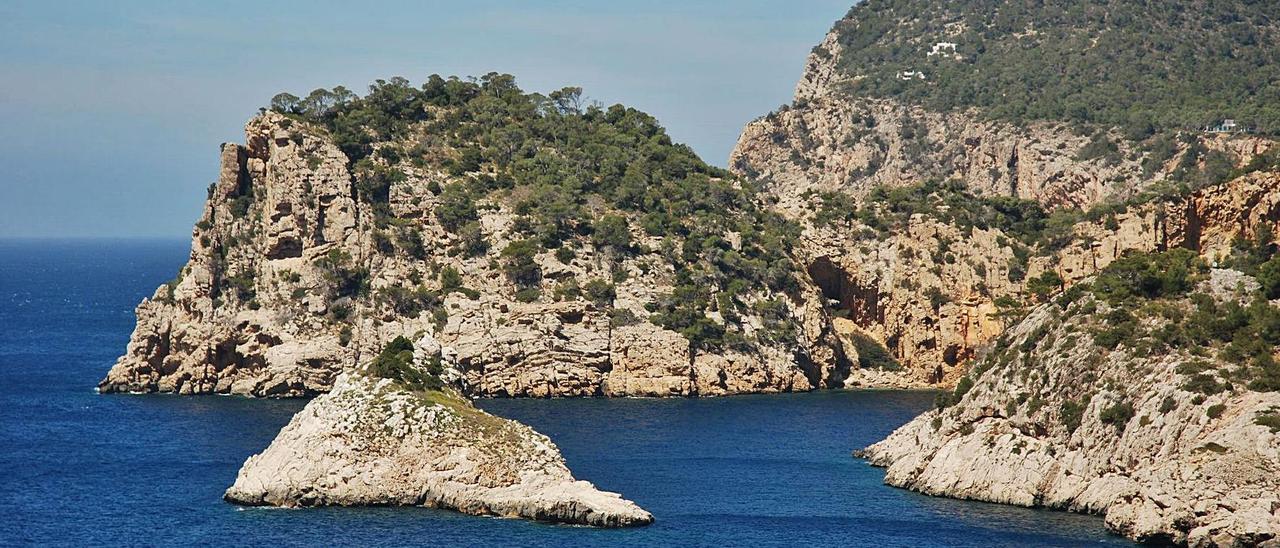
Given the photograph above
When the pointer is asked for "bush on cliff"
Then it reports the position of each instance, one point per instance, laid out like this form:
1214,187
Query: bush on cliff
396,362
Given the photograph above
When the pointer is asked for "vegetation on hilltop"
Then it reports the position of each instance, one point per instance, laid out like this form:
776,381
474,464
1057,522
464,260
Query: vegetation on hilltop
1144,66
574,174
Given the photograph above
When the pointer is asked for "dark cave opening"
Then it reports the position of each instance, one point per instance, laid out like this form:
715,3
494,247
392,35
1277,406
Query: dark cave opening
859,304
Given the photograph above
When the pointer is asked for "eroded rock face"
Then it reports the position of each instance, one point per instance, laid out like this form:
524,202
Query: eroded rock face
371,442
1180,467
260,308
883,285
928,291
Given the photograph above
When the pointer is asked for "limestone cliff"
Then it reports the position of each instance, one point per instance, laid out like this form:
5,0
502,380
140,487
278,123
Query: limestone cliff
372,442
1171,443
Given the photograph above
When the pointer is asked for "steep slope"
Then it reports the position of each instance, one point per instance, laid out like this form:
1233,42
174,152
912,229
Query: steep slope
1150,394
872,165
384,441
551,249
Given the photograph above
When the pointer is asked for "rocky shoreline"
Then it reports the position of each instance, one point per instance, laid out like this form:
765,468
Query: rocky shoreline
1053,420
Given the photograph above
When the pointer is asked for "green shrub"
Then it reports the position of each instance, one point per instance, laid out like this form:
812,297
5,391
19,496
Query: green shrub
1117,415
936,297
873,355
1203,384
1045,284
1149,276
528,294
519,264
599,291
243,286
1072,413
1214,411
240,206
396,362
344,279
612,231
945,399
1270,419
457,207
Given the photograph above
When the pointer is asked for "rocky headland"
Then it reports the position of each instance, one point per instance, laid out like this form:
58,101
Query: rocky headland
297,270
919,222
1014,246
1132,410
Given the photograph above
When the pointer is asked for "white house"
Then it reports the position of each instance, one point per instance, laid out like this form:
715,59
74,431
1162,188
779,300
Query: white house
910,75
943,48
1227,126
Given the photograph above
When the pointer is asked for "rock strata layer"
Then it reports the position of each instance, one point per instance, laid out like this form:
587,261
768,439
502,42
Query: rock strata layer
371,442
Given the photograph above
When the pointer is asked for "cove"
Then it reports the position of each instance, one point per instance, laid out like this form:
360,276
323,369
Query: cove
84,469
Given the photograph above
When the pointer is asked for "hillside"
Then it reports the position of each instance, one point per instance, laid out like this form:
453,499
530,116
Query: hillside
1142,66
1148,394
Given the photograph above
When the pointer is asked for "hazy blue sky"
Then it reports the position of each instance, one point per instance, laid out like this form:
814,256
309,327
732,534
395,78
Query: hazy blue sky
111,112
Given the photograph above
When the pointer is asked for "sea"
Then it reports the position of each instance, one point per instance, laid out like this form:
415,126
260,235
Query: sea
82,469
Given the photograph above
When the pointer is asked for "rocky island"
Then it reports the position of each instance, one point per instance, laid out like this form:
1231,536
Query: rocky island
393,435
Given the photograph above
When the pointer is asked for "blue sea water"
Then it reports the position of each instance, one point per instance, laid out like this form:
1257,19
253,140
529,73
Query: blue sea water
82,469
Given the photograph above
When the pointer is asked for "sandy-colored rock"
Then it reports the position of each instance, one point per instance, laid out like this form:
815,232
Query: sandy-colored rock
371,442
1174,472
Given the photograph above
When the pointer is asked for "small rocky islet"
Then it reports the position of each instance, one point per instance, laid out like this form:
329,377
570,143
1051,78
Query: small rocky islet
1094,291
391,435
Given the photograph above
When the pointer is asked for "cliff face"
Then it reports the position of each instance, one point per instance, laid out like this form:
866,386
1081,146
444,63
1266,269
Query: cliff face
245,315
829,142
293,277
1152,439
369,442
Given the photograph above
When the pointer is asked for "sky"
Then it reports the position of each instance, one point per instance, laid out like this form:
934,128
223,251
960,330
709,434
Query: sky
111,113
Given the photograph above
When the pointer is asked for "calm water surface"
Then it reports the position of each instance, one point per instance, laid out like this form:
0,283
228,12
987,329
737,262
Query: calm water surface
82,469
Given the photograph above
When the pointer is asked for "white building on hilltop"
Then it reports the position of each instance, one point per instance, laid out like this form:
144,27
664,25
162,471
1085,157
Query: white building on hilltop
910,75
943,48
1227,126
